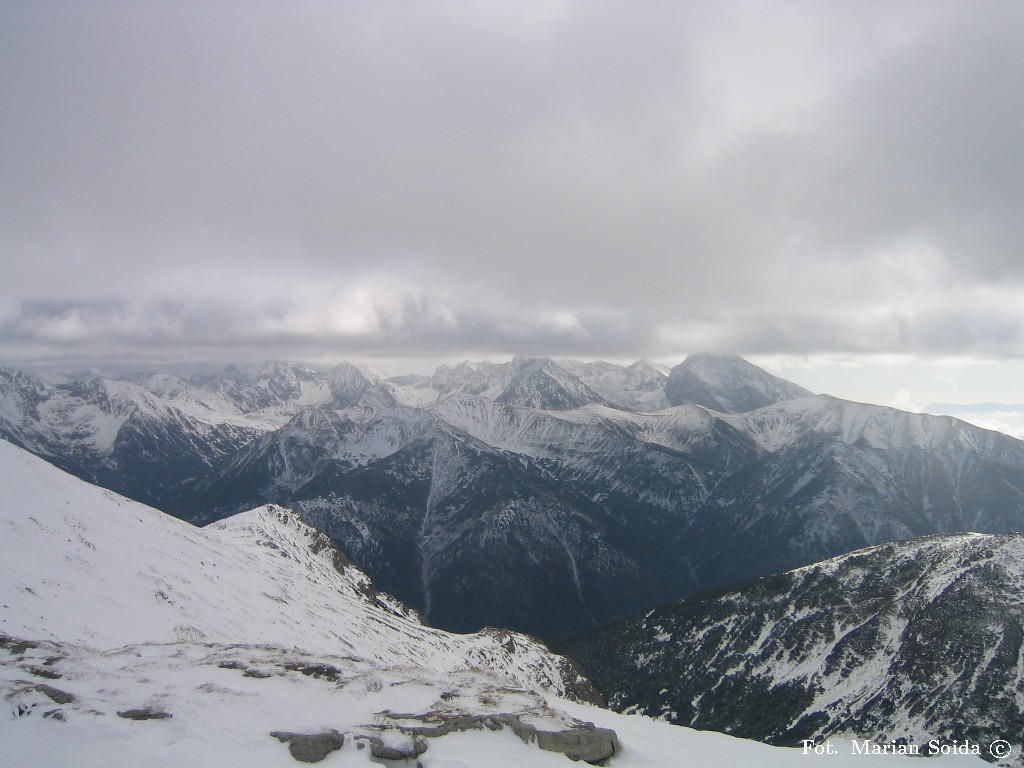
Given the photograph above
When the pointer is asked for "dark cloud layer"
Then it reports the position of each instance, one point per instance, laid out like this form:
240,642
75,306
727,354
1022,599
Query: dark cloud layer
217,180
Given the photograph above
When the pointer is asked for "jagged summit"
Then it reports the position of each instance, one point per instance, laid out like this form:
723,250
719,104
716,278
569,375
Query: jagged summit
350,387
548,384
541,383
639,386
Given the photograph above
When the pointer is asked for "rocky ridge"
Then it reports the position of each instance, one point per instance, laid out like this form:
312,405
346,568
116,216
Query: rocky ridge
902,643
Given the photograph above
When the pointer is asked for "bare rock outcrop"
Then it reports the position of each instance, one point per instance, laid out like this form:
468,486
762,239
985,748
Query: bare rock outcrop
579,741
310,747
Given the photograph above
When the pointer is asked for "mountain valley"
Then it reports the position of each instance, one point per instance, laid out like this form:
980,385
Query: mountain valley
540,495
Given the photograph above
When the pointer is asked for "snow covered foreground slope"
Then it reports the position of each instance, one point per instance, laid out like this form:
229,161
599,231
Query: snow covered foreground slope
128,637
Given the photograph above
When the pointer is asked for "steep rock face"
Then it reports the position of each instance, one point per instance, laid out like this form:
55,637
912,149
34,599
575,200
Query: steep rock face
274,464
479,513
474,536
471,379
157,438
904,642
545,385
350,387
20,398
637,387
727,385
249,388
837,476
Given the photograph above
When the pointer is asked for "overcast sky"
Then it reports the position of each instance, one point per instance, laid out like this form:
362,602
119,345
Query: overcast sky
816,185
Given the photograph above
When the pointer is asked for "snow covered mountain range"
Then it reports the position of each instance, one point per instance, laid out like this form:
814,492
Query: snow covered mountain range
128,637
540,495
904,643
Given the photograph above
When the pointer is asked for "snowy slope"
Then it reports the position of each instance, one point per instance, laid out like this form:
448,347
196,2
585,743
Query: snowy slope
84,565
1001,417
413,390
822,416
84,415
127,637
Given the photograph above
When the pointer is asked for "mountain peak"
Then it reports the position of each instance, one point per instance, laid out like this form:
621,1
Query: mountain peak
541,383
648,367
728,384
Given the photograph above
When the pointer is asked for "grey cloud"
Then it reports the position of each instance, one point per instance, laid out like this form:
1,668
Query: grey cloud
989,333
413,327
929,145
166,133
217,179
211,331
